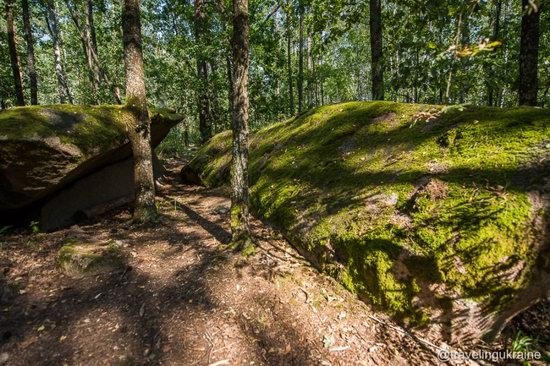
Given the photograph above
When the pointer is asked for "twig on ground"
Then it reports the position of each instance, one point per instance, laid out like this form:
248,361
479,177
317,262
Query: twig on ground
403,331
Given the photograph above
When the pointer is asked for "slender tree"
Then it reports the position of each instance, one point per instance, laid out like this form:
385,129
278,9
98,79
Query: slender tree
529,52
300,81
30,52
91,26
139,124
203,100
289,59
309,71
14,58
52,22
376,49
86,41
239,123
496,35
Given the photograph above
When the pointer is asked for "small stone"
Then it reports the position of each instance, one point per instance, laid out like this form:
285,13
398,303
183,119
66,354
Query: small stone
86,259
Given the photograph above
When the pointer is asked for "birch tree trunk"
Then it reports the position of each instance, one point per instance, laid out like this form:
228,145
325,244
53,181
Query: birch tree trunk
52,22
139,124
90,56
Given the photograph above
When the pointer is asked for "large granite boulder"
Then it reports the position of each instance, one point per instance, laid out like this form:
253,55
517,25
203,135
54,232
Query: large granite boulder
438,215
46,151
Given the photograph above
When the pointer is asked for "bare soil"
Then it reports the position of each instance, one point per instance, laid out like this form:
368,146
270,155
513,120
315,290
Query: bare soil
183,298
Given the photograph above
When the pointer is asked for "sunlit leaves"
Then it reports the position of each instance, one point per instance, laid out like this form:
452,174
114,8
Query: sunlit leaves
474,49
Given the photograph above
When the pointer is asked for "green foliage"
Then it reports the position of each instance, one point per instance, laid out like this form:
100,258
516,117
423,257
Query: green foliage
34,227
424,53
522,343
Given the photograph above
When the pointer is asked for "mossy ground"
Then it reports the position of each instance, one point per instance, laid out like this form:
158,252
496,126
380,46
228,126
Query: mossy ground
395,198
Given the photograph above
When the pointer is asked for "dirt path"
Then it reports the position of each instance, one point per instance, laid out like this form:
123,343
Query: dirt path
183,299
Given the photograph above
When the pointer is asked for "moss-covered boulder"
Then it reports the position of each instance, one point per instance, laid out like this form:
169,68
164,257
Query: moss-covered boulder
439,215
86,259
44,148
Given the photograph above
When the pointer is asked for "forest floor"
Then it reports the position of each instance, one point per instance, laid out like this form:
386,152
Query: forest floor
183,298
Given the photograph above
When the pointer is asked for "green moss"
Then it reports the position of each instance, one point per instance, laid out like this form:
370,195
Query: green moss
249,249
90,128
78,259
393,205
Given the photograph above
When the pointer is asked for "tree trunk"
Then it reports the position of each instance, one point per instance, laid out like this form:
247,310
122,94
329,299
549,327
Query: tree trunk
315,83
203,102
239,123
376,49
301,58
90,56
30,52
309,71
289,62
528,54
229,71
496,35
53,28
464,62
91,25
139,124
14,59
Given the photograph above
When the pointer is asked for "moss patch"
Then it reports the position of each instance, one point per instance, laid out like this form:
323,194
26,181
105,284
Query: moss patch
90,128
395,205
83,259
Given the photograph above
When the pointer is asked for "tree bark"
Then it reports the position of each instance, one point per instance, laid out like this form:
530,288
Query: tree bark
289,61
229,72
239,123
376,49
14,58
464,62
90,56
203,100
528,54
139,124
496,35
53,27
30,52
301,58
309,71
91,25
